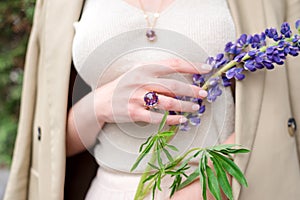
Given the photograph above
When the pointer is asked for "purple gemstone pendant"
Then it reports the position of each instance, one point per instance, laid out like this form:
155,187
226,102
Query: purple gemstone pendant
151,99
151,35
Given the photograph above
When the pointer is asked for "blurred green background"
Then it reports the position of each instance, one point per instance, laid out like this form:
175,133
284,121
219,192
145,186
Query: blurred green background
15,24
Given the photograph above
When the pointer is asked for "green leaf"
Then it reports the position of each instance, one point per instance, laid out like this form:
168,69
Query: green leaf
222,178
169,156
153,166
191,178
202,170
231,168
141,147
142,155
235,151
175,184
166,134
213,183
159,181
153,190
159,160
172,147
173,173
163,121
150,177
223,146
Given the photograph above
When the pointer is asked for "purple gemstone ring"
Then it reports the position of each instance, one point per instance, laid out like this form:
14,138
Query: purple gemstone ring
151,100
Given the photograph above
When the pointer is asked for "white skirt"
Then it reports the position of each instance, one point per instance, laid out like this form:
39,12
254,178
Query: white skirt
115,185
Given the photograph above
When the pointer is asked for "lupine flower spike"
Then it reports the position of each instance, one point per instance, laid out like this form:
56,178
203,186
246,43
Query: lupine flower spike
248,53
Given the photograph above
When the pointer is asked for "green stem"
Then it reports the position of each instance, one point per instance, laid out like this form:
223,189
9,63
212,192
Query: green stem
140,192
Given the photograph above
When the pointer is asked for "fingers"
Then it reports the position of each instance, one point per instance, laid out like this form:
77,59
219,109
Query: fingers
165,67
169,103
156,118
174,88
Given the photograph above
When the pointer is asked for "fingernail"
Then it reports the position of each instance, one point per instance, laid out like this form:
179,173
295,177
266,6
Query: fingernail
182,120
195,107
202,93
206,67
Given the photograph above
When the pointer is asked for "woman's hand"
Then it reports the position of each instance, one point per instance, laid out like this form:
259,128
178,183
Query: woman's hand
193,191
122,100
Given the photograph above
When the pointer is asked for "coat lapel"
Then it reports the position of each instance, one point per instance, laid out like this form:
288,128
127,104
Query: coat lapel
57,44
249,92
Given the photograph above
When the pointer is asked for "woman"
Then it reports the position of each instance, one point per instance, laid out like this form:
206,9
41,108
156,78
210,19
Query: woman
42,122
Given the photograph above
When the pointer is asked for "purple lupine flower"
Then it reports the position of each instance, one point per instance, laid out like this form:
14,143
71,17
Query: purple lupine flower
242,41
297,24
225,81
213,81
259,60
250,65
184,126
258,40
228,47
246,50
272,34
213,93
198,79
202,109
194,119
286,30
275,56
239,57
268,64
236,73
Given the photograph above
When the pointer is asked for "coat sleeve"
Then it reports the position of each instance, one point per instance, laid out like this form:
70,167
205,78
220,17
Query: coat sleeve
293,66
17,185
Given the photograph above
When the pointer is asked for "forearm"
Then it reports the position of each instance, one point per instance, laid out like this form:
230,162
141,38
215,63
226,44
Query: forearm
83,126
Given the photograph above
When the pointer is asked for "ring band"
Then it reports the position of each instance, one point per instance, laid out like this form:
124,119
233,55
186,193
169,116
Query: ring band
150,99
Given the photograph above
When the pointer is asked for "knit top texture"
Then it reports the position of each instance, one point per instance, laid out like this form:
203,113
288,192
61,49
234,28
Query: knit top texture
110,40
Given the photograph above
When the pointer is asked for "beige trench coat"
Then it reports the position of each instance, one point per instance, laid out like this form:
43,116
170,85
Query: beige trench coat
264,103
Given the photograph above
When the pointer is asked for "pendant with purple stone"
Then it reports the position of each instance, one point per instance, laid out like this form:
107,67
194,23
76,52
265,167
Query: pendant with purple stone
150,99
151,35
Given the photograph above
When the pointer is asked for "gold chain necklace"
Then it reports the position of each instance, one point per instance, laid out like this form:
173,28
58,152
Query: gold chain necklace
150,33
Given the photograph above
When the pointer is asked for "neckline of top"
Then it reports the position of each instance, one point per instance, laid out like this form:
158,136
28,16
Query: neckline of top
134,7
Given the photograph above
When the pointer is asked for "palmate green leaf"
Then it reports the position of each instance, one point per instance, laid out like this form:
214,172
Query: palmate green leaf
231,168
163,122
191,178
213,183
222,178
143,154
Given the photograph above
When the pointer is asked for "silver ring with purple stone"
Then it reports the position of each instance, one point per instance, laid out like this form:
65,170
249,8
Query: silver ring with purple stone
151,100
